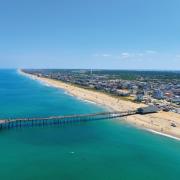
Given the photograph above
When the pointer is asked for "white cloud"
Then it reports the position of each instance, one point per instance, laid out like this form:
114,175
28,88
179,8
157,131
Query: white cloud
102,55
128,55
125,55
106,55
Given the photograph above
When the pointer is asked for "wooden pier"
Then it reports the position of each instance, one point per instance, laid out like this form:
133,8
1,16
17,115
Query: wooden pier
60,120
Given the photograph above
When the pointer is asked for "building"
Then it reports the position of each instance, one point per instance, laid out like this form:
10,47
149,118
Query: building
148,109
139,97
158,94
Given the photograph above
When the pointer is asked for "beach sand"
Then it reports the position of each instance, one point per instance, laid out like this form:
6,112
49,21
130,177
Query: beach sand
158,122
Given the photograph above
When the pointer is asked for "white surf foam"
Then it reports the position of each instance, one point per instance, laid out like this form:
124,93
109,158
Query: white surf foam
163,134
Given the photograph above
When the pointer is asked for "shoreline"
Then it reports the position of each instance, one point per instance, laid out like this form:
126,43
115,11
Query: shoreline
163,134
45,83
158,123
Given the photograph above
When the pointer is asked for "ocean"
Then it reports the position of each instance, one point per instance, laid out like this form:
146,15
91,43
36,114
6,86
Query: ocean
107,149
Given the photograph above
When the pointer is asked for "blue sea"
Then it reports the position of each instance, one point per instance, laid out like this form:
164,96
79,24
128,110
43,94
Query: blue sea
107,150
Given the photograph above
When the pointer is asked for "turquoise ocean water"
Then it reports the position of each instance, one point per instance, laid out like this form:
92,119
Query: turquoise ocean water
107,150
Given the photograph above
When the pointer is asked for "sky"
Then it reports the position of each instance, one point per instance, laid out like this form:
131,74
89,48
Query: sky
98,34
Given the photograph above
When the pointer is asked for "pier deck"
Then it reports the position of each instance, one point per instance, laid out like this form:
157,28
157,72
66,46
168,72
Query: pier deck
57,120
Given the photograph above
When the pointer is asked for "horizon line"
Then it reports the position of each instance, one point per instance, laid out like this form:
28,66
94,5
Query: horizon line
98,69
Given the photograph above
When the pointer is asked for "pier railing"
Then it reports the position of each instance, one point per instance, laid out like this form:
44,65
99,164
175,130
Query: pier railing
60,120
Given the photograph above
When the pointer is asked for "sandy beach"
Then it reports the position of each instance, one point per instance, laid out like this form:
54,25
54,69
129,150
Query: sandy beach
158,122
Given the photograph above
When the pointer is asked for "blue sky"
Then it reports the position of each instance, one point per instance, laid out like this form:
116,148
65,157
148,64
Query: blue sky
108,34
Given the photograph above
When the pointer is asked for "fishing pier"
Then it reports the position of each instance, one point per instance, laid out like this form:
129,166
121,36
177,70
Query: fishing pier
69,119
61,120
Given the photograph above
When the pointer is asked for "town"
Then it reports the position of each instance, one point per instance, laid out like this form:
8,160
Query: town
161,89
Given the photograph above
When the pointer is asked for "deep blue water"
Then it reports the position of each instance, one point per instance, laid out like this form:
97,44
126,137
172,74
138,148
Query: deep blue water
111,150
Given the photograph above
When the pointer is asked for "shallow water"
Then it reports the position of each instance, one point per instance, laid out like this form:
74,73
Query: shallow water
109,149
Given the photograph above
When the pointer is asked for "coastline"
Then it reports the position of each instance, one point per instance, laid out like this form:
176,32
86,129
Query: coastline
158,123
163,134
49,84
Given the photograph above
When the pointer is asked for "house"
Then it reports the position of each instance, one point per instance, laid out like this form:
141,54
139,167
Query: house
139,97
158,94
